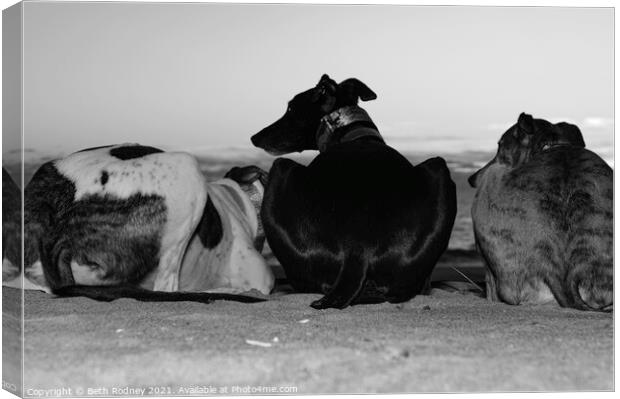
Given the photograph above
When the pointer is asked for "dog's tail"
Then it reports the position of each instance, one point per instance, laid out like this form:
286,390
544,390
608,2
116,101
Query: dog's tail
584,288
112,292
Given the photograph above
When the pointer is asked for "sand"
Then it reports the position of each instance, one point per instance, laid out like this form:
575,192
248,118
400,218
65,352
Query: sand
444,342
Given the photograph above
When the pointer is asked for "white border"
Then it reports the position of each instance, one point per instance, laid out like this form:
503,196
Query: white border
506,3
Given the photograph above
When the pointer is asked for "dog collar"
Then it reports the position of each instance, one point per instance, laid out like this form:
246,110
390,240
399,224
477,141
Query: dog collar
548,147
330,123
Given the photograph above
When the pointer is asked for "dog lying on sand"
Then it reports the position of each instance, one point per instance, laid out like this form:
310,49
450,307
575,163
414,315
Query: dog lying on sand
134,221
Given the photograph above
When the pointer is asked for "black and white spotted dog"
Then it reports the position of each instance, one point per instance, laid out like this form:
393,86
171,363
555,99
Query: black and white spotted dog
134,221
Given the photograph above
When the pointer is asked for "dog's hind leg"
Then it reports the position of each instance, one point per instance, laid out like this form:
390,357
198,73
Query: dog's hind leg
348,285
491,286
426,289
489,277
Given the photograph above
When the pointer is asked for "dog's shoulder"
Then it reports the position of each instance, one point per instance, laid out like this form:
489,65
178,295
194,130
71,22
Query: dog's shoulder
564,169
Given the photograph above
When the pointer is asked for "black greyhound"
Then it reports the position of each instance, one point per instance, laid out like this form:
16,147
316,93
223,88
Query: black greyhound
359,223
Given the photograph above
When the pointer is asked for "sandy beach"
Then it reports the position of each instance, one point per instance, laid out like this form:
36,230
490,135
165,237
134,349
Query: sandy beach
444,342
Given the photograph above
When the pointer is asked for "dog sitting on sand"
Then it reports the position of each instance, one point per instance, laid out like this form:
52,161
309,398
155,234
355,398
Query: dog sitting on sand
543,218
359,224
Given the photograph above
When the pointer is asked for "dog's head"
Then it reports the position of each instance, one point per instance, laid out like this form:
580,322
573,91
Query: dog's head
527,138
252,180
247,175
296,130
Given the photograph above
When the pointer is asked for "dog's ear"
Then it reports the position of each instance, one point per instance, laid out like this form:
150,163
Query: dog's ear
570,134
559,134
326,87
525,123
350,90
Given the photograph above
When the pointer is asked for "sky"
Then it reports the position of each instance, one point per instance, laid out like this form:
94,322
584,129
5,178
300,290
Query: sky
205,77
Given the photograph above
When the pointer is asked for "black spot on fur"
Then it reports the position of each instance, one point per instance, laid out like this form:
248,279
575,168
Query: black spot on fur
133,151
104,177
210,228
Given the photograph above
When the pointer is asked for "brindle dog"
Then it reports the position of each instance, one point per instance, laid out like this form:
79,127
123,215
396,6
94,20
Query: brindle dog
543,215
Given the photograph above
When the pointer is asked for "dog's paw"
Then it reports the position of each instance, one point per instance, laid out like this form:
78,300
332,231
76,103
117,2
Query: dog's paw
330,302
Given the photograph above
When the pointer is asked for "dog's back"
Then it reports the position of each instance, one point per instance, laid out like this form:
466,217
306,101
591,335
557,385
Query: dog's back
363,208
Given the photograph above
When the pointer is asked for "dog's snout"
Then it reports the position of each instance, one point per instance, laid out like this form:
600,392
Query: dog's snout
254,139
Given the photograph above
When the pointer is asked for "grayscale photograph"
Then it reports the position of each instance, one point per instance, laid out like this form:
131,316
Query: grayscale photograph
216,199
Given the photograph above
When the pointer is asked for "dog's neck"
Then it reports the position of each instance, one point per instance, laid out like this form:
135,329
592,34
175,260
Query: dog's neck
345,124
